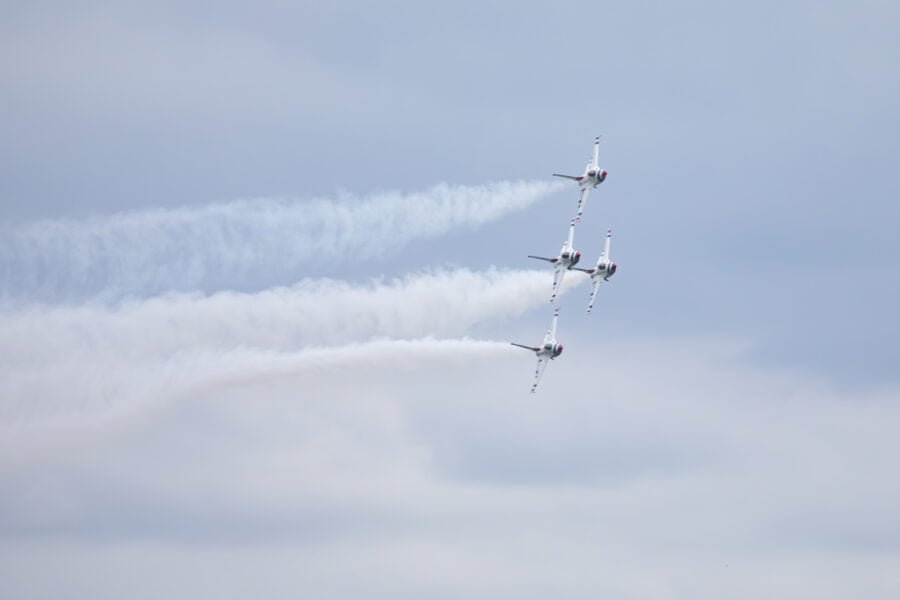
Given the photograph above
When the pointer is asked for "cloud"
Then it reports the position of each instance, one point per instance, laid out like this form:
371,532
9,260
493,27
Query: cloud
381,458
285,421
247,243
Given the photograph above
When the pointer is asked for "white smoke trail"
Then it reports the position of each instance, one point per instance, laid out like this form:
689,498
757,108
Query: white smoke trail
241,367
248,243
320,312
66,361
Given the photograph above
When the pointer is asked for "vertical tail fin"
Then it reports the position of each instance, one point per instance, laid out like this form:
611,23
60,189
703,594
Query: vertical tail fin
571,238
606,244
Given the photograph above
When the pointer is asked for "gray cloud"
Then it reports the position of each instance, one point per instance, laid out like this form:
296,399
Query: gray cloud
769,468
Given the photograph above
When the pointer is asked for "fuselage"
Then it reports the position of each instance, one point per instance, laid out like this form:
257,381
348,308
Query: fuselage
604,270
569,257
592,177
551,349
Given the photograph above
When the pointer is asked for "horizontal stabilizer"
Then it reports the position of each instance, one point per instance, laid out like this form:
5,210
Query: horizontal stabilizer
533,349
572,177
588,271
549,260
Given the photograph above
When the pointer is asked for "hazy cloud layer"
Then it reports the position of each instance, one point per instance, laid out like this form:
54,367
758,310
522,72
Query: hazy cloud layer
389,459
248,243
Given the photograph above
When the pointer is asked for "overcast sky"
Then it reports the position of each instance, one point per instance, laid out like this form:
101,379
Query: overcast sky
259,267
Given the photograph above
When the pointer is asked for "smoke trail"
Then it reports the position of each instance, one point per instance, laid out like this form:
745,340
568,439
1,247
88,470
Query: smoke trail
247,243
69,360
243,366
320,312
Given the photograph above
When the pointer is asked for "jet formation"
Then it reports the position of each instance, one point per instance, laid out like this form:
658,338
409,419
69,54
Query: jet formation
566,260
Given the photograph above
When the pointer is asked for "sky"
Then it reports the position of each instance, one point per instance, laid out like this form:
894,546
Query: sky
259,268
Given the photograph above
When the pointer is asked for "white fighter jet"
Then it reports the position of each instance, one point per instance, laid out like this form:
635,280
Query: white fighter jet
546,352
602,272
568,257
592,177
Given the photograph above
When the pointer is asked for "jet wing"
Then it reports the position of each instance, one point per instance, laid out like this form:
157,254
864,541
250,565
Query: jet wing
551,333
549,260
541,365
588,271
582,201
595,285
558,275
532,348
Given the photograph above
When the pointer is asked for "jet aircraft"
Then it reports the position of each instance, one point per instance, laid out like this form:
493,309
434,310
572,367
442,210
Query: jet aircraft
592,177
602,272
568,257
546,352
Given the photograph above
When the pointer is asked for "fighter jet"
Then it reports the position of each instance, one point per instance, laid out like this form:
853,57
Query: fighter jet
602,272
549,350
592,177
568,257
